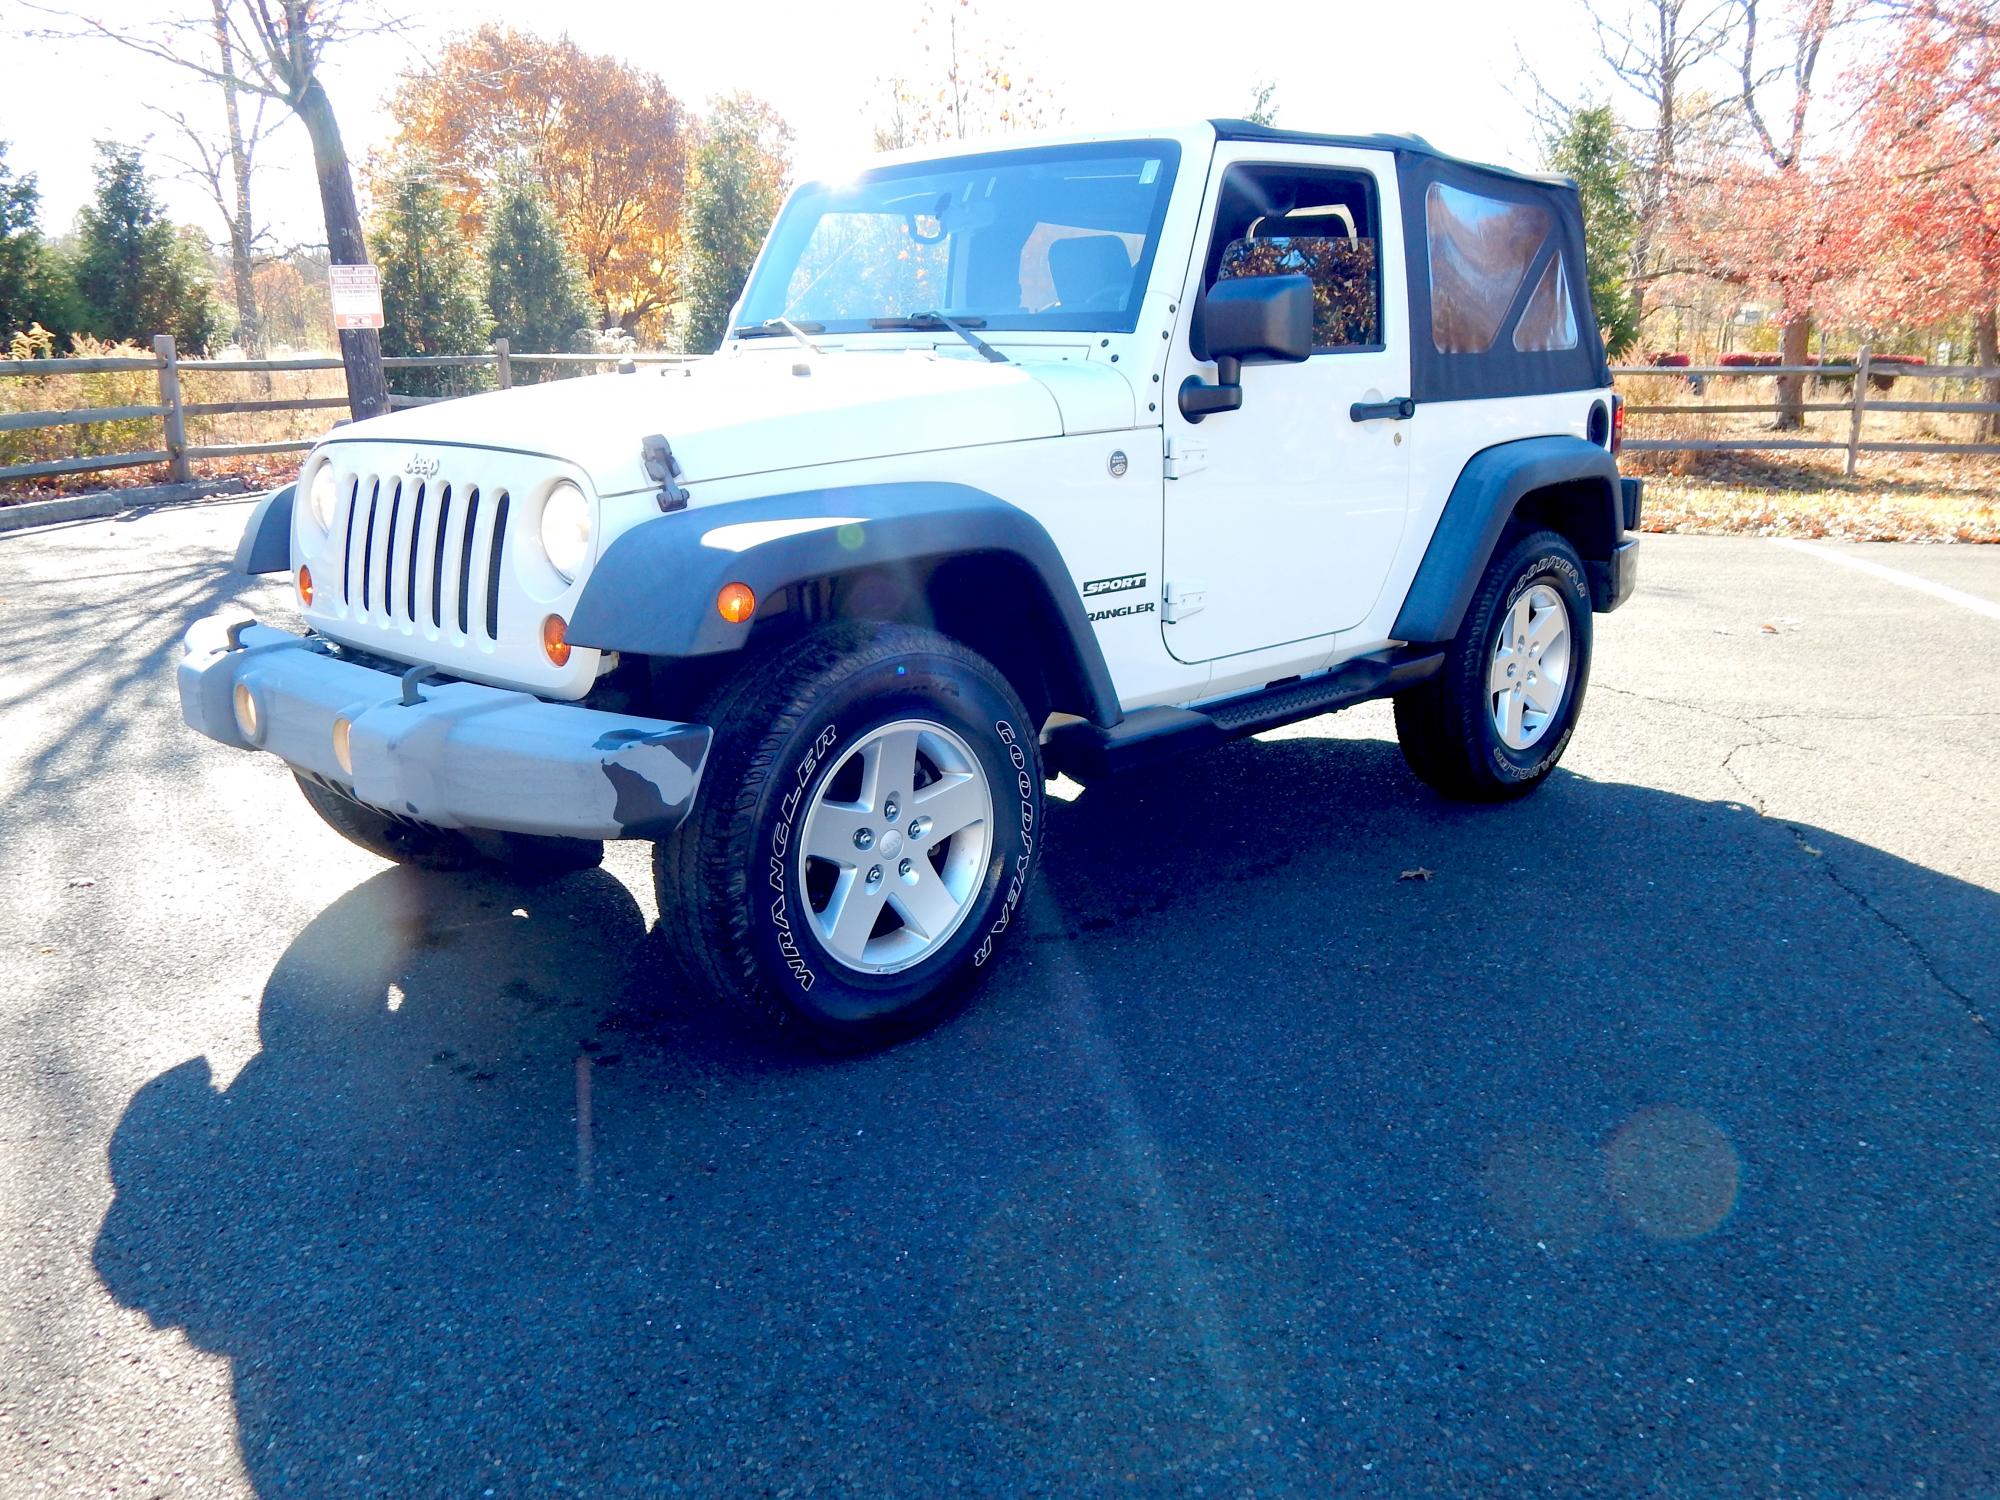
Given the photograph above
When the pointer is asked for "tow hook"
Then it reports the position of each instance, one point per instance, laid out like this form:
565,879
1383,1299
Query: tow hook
413,682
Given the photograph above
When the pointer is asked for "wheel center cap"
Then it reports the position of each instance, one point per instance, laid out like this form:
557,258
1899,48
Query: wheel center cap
890,844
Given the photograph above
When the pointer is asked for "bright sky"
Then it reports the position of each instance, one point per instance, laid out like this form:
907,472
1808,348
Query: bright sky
1442,68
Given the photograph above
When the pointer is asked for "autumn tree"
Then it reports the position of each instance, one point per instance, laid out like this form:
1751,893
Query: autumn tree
1780,223
136,275
534,289
740,169
608,143
1666,57
1926,180
279,47
292,300
1590,150
430,281
961,77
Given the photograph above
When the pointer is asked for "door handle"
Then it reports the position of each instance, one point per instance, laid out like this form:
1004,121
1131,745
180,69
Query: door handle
1399,410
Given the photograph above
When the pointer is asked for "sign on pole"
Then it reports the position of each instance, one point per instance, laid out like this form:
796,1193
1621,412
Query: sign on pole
356,293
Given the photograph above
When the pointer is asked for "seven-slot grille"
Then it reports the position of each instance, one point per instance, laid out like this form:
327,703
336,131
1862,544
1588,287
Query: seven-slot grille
424,552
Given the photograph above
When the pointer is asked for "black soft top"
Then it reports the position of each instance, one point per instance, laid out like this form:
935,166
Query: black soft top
1438,372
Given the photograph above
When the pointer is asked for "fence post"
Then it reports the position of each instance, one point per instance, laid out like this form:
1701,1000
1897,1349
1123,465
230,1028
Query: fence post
504,355
1860,407
175,421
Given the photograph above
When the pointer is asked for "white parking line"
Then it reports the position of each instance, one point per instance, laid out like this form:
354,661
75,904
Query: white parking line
1959,597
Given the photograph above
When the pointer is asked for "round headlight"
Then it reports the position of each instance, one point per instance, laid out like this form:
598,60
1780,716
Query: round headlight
566,529
320,496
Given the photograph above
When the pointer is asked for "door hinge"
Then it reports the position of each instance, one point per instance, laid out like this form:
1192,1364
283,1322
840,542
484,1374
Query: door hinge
1182,600
1185,458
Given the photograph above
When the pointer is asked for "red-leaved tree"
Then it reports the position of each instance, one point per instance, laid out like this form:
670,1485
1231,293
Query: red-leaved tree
1926,179
1770,213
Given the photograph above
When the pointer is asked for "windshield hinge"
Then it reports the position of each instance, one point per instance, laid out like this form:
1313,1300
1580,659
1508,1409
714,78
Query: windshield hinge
665,471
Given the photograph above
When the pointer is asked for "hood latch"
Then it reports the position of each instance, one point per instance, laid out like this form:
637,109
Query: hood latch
665,471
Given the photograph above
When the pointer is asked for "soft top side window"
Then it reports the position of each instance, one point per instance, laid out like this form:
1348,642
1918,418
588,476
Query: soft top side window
1483,252
1321,223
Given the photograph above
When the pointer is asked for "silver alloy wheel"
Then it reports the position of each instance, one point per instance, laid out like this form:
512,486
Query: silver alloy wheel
895,846
1529,673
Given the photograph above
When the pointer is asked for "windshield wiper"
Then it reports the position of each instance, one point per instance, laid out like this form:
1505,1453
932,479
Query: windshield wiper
772,327
961,326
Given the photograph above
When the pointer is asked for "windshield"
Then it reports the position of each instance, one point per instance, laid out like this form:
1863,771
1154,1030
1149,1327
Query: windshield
1059,237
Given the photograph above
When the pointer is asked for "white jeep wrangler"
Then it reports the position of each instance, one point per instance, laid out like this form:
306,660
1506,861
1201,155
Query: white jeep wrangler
1057,455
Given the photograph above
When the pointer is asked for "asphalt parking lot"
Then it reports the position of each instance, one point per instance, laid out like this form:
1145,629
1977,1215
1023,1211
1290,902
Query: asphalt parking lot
1648,1146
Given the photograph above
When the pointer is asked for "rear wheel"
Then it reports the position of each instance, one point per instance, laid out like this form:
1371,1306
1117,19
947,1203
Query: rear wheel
867,827
408,842
1496,718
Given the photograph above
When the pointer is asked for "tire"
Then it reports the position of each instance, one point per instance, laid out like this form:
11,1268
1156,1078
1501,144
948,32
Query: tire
1473,743
406,842
809,744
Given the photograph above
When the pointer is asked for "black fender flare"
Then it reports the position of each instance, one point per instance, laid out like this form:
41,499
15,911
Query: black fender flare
1489,489
653,590
267,539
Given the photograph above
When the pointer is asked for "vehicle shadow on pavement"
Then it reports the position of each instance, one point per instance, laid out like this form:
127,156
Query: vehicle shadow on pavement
1645,1145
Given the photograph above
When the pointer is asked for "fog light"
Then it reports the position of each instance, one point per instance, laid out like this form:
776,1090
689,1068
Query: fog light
555,640
306,587
342,750
735,603
246,711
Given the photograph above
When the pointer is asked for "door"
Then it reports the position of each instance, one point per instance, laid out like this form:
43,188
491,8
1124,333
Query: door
1283,517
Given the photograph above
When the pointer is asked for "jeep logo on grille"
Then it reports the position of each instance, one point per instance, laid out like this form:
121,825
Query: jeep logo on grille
421,465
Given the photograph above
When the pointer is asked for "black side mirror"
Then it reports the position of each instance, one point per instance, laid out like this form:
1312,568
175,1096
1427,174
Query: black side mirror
1247,320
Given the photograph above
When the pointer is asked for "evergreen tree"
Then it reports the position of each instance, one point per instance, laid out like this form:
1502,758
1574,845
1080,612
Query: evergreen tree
430,280
136,275
1590,150
31,277
738,182
534,287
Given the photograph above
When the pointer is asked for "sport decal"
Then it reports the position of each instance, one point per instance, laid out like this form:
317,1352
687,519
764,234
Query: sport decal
1116,585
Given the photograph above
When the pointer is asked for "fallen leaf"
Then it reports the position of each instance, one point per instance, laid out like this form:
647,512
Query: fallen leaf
1768,629
1419,873
81,883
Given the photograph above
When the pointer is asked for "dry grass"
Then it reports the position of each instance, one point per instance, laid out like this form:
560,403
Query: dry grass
1900,497
1896,497
141,388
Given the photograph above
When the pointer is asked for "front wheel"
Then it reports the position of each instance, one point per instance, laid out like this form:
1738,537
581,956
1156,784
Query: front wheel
869,820
1494,720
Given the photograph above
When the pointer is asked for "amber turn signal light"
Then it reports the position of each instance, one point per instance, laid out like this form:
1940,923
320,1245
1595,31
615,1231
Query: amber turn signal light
306,586
555,640
735,603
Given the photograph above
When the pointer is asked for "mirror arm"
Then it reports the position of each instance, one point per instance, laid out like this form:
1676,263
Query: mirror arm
1200,399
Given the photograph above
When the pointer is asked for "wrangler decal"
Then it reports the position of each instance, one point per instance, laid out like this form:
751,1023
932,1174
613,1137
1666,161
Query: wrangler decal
1120,611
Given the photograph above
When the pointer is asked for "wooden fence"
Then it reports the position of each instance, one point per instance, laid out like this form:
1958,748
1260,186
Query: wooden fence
174,451
1864,373
172,411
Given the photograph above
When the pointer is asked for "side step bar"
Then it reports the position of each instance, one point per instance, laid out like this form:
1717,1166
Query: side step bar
1148,735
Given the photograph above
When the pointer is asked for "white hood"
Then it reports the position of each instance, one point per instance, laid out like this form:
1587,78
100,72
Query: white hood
739,414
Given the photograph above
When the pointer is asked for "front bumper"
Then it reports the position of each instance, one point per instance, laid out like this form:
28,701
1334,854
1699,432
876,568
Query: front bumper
455,754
